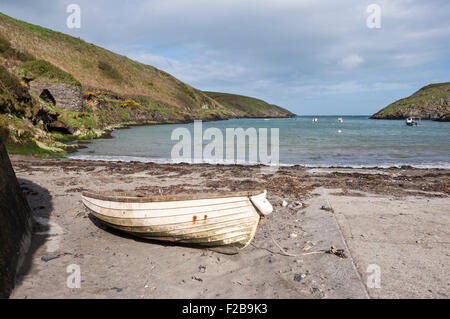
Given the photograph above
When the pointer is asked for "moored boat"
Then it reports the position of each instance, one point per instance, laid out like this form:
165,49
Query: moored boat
222,219
412,121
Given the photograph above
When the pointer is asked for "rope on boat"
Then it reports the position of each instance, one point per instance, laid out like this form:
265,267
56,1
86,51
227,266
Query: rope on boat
285,253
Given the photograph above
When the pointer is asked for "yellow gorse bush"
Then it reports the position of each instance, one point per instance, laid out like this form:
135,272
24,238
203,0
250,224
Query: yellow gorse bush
89,93
129,103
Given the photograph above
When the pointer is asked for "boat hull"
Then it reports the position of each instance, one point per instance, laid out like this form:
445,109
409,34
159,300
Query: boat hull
228,221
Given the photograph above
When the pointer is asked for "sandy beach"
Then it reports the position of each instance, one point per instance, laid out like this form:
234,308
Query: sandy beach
395,220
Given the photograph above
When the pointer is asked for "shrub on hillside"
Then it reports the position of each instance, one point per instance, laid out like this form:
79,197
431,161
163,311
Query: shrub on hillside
130,103
7,51
188,92
45,71
108,71
11,84
4,44
21,55
4,132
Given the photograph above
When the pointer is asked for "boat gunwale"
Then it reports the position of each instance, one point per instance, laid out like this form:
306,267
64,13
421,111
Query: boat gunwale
176,216
136,197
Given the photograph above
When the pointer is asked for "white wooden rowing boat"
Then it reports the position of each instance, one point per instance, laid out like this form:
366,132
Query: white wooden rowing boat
199,219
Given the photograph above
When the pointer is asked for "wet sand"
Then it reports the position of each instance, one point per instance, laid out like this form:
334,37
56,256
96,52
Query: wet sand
396,219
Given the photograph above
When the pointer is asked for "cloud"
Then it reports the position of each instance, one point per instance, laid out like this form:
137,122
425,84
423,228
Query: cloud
284,51
351,61
195,71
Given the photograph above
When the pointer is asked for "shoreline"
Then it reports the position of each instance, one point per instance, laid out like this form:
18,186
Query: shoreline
132,159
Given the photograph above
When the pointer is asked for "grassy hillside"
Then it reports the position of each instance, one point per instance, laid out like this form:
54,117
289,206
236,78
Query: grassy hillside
430,102
117,91
95,67
244,106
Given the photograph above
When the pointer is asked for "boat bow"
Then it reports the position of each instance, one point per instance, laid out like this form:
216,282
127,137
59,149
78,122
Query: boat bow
262,204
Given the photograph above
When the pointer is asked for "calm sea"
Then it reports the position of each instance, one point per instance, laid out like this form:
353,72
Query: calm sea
361,142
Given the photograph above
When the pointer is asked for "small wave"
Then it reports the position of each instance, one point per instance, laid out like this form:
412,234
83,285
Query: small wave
116,158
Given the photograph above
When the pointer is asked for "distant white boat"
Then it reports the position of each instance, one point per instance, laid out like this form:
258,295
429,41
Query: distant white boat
412,121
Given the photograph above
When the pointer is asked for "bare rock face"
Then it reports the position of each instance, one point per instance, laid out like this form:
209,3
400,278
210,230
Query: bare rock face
15,225
62,95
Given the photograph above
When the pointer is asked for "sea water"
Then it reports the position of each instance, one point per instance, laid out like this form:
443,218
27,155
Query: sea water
356,142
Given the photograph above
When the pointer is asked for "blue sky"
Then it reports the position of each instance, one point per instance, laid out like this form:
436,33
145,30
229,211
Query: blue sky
313,57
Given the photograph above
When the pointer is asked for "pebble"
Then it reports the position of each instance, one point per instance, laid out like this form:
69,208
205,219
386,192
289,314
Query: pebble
202,269
293,235
284,204
273,260
49,257
299,277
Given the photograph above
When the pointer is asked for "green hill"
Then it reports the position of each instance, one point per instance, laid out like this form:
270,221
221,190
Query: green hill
100,90
244,106
431,102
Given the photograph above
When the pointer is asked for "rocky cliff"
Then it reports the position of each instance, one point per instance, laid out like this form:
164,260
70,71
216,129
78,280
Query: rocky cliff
431,102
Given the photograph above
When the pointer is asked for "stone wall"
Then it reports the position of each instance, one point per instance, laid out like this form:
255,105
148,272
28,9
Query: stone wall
15,225
66,96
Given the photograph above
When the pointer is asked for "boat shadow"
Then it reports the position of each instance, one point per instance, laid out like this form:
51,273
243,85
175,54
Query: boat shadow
116,232
113,231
